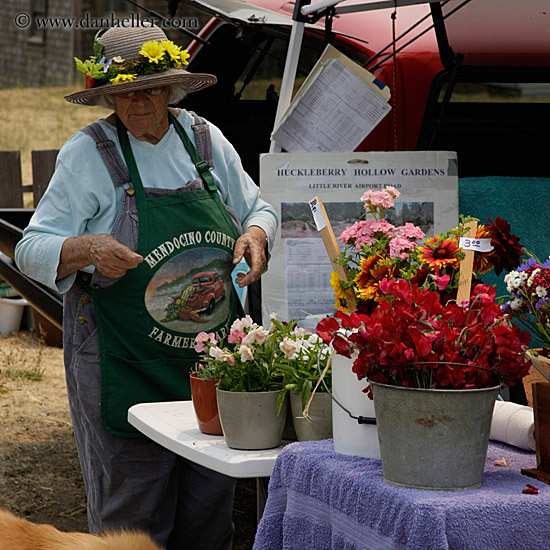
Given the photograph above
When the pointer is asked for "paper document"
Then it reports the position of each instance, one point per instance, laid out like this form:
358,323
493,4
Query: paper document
334,110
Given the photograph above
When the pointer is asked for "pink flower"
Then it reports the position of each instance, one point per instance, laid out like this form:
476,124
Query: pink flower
202,338
410,231
382,226
385,198
352,231
399,247
442,282
235,336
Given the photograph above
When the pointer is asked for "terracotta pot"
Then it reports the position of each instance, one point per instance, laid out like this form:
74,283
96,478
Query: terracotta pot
203,393
534,375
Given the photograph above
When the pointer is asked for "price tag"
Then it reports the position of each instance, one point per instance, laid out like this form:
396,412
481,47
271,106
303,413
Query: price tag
477,245
318,217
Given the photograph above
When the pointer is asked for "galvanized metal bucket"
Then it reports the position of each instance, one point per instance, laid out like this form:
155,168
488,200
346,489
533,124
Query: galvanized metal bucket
433,439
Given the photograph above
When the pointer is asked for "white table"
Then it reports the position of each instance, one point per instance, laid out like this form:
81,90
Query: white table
173,425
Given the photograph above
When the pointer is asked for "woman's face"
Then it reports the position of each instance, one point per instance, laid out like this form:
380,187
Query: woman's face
143,112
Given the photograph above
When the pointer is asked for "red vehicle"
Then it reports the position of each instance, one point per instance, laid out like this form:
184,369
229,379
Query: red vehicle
476,80
209,290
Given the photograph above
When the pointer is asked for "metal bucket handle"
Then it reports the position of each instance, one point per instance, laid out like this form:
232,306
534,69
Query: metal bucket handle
360,419
371,420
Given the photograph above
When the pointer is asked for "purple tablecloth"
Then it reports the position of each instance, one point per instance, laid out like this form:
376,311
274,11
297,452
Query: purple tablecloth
319,499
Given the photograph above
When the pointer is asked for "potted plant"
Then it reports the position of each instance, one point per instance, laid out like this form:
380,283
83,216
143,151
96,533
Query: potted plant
305,359
529,303
257,369
409,341
252,411
203,381
434,371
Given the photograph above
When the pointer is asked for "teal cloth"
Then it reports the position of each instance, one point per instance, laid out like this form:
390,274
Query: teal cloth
522,202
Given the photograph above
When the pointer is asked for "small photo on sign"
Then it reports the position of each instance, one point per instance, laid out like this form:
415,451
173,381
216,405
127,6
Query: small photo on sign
420,214
298,223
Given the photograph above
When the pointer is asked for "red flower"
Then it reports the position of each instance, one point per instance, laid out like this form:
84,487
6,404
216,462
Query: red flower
326,329
507,249
412,340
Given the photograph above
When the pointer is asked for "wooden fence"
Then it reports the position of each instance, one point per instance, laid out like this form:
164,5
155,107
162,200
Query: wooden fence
11,184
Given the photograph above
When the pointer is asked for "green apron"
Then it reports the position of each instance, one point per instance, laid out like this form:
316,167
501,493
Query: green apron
147,321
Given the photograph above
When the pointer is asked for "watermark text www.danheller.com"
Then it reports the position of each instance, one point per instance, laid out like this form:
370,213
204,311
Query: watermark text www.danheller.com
24,20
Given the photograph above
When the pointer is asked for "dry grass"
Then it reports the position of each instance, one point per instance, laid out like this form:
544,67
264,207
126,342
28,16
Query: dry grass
34,119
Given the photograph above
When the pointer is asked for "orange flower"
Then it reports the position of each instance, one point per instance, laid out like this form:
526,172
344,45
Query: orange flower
364,277
482,260
373,270
437,253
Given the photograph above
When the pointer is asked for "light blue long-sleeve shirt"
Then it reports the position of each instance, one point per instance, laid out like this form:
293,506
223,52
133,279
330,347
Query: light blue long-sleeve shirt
81,198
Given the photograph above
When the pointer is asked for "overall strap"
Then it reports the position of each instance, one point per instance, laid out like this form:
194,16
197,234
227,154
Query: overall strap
201,165
110,156
203,139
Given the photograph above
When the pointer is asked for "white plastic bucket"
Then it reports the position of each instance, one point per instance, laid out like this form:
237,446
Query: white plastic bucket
11,313
350,437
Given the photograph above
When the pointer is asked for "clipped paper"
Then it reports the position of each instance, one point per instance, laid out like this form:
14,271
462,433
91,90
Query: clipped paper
336,108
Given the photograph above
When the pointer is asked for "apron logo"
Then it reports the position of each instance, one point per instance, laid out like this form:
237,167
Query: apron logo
193,238
192,287
174,341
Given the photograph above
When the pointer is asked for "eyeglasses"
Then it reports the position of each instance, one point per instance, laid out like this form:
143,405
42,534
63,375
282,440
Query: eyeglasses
148,91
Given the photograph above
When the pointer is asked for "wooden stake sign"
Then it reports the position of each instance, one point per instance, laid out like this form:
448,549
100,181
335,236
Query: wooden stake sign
541,408
466,266
329,240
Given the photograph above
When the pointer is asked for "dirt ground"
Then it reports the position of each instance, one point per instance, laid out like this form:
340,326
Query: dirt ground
40,476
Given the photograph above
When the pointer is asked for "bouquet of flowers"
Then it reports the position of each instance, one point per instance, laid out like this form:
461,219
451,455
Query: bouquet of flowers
282,357
412,340
376,251
529,300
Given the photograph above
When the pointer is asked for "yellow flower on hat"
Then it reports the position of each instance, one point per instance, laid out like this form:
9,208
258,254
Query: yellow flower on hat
121,78
153,50
184,56
172,49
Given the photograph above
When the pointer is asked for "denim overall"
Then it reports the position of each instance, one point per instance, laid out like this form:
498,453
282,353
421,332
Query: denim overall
130,481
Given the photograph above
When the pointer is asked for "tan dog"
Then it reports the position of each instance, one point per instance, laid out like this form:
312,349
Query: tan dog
20,534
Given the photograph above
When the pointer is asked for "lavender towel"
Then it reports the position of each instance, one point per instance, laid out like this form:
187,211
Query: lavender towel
319,499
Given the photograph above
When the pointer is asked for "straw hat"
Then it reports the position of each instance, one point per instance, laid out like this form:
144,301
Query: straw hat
123,45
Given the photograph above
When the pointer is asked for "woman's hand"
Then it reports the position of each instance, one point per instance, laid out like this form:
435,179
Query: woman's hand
110,257
251,245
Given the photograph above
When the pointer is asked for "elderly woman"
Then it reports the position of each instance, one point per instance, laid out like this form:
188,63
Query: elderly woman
140,204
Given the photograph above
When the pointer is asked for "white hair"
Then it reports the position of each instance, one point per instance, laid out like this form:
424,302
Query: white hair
176,92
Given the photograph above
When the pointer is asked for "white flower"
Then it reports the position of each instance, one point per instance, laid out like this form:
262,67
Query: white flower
289,347
216,353
516,304
257,334
246,353
530,280
241,324
541,292
301,331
